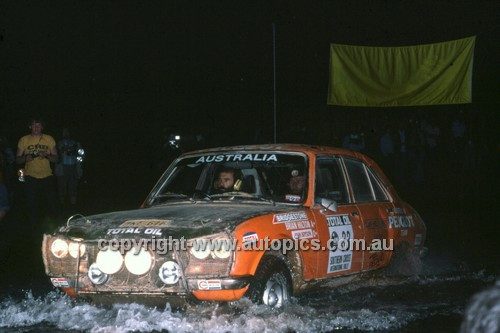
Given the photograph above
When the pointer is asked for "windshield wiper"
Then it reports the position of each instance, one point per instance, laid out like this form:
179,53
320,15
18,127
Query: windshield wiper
204,195
261,198
239,195
170,195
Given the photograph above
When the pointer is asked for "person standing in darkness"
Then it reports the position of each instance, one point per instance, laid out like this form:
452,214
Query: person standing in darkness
36,151
68,170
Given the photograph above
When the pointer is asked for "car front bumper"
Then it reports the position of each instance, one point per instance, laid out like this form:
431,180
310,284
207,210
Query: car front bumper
214,289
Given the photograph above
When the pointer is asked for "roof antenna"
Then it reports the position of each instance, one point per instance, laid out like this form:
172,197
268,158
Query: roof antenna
274,80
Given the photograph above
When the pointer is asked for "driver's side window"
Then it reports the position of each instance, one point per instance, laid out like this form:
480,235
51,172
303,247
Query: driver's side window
330,182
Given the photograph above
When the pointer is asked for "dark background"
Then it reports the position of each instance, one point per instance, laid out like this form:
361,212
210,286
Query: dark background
124,74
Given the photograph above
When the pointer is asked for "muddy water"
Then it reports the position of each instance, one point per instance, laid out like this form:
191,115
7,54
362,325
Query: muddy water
382,304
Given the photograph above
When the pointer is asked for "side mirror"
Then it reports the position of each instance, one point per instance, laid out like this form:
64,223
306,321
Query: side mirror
329,204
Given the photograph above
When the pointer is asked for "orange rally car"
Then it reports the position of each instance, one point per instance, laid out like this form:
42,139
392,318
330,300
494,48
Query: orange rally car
265,222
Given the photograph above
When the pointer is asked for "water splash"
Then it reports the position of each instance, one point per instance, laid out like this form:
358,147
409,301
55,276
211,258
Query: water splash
370,307
58,311
483,311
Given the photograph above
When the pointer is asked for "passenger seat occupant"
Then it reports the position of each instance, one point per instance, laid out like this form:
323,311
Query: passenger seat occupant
296,185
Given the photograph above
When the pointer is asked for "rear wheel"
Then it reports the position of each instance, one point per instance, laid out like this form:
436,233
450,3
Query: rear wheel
272,284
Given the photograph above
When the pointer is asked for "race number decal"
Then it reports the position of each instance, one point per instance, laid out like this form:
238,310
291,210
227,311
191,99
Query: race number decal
341,234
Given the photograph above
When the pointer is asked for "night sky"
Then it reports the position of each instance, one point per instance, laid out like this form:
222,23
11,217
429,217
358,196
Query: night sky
123,73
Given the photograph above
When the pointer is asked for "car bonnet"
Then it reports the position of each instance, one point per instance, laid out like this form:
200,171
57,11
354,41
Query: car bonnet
176,221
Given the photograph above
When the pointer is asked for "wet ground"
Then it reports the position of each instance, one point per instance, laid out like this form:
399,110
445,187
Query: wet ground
432,303
463,259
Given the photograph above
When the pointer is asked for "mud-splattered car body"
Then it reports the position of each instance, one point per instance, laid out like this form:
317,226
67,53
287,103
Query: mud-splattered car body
345,196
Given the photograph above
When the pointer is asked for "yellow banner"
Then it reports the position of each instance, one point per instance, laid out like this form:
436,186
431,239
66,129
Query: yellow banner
430,74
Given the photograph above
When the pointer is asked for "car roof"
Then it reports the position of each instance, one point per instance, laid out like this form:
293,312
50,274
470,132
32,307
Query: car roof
294,147
281,146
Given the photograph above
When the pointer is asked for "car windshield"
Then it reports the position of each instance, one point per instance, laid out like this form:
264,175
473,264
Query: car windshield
256,176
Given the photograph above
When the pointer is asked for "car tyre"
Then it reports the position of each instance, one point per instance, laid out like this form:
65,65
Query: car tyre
272,283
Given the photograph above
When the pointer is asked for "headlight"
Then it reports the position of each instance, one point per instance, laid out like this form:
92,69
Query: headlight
138,263
218,245
223,249
73,249
96,275
200,253
109,261
170,272
59,248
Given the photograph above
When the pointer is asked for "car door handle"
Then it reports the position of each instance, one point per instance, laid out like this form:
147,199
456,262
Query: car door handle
354,214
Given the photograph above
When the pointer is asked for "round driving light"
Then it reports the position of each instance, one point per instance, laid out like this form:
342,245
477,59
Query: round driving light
138,261
59,248
200,253
109,261
73,249
96,275
170,272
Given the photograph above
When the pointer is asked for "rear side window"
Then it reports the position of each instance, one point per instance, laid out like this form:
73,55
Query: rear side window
377,188
330,182
360,183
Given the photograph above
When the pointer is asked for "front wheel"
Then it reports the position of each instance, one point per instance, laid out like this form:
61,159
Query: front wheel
272,283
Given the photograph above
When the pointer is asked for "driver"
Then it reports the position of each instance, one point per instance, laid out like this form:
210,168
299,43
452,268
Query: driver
227,181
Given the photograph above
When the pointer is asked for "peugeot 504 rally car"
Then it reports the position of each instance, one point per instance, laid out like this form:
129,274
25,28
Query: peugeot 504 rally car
265,222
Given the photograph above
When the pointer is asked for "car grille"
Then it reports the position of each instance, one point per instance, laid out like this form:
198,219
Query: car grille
123,281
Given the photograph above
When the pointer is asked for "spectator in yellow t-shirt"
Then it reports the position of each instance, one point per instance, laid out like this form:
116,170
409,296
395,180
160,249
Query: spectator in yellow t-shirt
36,150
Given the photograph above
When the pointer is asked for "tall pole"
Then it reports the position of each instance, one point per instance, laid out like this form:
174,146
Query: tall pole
274,80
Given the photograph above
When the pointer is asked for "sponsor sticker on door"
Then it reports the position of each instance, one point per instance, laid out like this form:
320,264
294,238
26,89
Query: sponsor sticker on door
341,234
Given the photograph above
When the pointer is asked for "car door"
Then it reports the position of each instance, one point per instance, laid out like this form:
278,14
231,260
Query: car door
374,205
336,227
